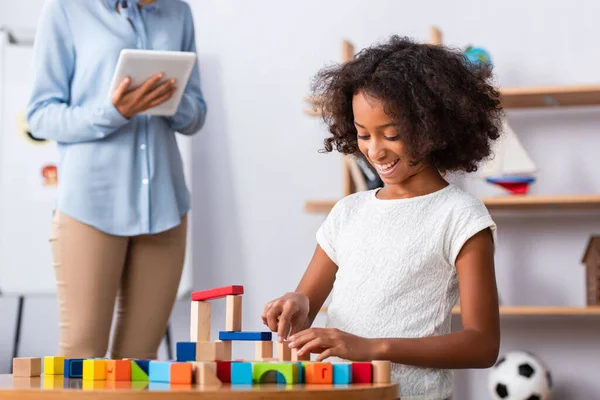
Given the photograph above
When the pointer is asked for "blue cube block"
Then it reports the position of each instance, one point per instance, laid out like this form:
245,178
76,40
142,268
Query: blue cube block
160,371
73,368
144,365
300,372
264,336
241,373
342,373
186,351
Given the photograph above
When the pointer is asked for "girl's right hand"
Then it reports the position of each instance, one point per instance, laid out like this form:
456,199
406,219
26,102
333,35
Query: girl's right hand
287,314
147,95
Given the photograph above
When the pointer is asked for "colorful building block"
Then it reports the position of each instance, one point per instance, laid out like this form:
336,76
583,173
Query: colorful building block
241,373
289,371
186,351
159,371
299,377
54,365
200,321
233,313
381,371
53,381
213,351
140,370
318,372
342,373
224,335
362,372
170,372
118,370
263,350
205,373
284,353
217,293
224,370
181,373
94,369
27,366
73,368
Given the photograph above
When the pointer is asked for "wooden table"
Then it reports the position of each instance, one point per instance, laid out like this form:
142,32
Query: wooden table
56,387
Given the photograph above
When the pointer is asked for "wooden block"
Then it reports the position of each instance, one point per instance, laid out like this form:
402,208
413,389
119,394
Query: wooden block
362,372
186,351
263,350
241,373
318,372
381,371
200,321
303,357
250,336
159,371
94,369
140,370
284,353
27,366
228,351
73,368
181,373
54,365
213,351
217,293
118,370
233,314
224,370
342,373
287,369
205,373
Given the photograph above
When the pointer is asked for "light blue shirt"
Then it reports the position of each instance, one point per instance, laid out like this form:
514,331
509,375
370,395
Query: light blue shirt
124,177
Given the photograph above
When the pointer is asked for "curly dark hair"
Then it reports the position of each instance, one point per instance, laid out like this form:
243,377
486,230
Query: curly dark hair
447,112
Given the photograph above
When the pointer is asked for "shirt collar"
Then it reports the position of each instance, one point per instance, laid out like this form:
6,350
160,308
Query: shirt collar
154,6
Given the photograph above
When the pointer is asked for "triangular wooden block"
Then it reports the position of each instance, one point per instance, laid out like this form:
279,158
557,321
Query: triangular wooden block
205,374
137,373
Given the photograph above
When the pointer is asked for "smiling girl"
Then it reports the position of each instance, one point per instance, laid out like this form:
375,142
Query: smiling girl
396,259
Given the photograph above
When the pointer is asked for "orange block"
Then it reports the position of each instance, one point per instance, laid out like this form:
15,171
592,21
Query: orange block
318,372
181,373
118,370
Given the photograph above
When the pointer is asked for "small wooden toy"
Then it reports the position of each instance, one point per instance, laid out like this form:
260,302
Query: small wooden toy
288,370
381,371
200,321
241,373
251,336
342,373
233,314
118,370
303,357
361,372
205,373
224,370
73,368
140,370
213,351
94,370
54,365
263,350
217,293
284,353
318,372
27,366
186,351
171,372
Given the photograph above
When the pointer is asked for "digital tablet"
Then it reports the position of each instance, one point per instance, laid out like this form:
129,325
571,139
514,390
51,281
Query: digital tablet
140,65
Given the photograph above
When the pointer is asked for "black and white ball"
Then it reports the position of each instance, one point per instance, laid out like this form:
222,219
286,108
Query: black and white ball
519,375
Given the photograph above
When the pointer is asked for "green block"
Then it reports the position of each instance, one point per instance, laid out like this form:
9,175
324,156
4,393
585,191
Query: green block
137,373
289,370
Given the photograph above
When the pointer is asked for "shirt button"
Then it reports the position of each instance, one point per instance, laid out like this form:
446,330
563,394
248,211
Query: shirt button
143,147
145,181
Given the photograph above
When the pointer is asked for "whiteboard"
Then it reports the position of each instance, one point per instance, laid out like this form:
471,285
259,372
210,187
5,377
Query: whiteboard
27,185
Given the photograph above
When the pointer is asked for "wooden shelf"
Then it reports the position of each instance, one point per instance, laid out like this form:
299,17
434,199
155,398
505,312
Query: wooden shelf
537,310
528,97
516,202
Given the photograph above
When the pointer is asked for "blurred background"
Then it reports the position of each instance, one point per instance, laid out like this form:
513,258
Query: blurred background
256,173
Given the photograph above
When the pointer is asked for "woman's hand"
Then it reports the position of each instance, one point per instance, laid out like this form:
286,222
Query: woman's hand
148,95
333,343
287,314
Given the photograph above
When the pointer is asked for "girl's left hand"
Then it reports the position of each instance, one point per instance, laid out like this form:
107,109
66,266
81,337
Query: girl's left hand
332,343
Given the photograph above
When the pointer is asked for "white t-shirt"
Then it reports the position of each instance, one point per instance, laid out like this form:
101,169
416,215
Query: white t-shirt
396,270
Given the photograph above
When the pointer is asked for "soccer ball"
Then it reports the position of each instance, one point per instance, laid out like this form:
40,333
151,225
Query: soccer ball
519,375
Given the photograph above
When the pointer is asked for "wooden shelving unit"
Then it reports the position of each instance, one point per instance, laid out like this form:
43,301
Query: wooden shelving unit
526,202
538,311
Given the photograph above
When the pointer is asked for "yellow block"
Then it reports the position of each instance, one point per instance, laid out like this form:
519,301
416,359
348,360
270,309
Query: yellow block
54,381
94,370
54,365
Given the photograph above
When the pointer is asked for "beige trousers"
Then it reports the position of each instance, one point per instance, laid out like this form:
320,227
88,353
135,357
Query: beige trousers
94,270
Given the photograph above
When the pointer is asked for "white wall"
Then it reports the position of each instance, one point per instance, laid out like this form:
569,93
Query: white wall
256,162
